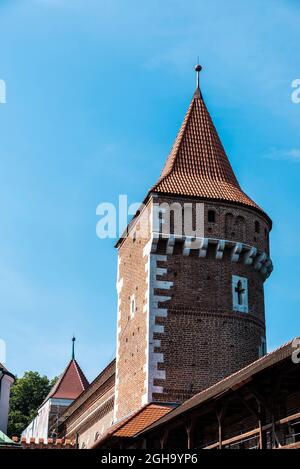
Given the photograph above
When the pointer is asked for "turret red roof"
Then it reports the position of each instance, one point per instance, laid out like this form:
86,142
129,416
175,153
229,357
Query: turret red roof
70,384
198,165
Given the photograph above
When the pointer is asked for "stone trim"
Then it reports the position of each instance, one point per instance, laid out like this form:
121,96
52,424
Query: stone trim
153,310
240,252
119,287
92,416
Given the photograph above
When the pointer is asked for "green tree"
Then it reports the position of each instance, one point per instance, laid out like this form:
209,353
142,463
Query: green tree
27,394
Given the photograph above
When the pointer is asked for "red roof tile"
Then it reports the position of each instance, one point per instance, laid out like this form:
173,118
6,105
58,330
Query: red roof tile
198,165
107,373
142,419
70,384
136,422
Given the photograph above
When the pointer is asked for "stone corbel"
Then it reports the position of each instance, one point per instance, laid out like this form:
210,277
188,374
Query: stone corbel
171,244
236,251
220,249
203,247
187,246
260,261
250,255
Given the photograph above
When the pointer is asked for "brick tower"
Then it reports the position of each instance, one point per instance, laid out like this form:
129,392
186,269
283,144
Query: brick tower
190,301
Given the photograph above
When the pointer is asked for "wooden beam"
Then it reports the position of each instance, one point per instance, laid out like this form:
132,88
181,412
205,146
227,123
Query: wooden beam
261,424
288,419
220,411
164,438
269,406
251,409
255,431
276,442
260,398
235,439
190,429
219,417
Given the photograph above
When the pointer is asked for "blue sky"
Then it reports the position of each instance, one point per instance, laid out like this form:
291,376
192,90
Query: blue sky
96,91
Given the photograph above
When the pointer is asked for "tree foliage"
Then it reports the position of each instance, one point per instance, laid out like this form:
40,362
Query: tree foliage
27,394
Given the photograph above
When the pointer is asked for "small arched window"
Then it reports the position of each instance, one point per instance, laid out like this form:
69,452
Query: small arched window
257,227
211,216
97,434
83,446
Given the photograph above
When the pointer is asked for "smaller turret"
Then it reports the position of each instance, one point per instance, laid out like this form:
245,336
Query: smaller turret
70,384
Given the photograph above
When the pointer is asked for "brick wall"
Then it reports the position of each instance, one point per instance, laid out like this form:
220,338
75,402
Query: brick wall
131,326
184,334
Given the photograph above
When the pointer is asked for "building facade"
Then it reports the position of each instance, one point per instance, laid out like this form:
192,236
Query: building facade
6,381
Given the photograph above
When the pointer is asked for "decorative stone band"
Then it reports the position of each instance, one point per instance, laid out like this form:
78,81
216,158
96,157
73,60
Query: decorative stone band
91,416
239,252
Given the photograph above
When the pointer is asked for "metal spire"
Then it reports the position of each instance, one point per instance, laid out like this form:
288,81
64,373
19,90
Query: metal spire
198,69
73,347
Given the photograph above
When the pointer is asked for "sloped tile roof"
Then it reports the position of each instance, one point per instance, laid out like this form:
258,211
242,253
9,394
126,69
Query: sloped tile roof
148,415
107,373
198,165
70,384
136,422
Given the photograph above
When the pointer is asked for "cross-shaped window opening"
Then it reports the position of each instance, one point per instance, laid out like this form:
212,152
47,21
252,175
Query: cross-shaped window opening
240,291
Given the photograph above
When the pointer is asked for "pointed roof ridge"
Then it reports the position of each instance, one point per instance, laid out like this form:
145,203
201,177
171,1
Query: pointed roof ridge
70,384
5,371
81,375
197,165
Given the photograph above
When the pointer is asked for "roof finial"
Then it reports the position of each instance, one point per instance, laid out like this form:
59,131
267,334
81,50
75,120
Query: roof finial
198,69
73,347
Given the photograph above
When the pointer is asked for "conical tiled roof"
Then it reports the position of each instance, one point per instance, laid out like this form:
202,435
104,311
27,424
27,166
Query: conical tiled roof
70,384
198,165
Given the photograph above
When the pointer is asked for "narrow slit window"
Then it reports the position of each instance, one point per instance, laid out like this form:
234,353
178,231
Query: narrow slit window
132,306
211,216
